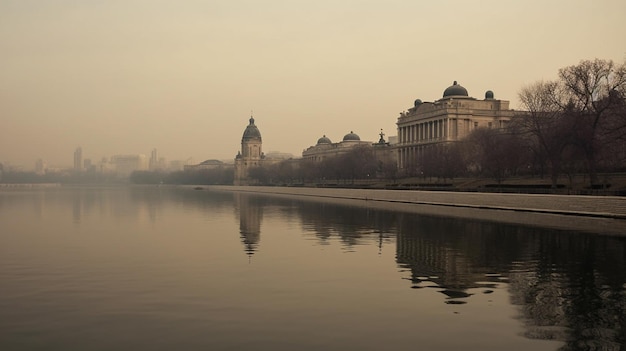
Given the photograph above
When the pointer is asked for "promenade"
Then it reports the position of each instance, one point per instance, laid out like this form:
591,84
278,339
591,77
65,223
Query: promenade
606,214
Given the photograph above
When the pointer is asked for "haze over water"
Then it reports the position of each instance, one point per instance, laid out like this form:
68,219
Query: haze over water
160,268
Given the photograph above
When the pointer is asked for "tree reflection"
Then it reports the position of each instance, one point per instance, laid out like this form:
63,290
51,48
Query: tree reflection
569,286
352,226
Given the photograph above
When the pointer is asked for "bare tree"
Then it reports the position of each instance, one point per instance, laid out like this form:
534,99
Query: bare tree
496,153
594,94
543,124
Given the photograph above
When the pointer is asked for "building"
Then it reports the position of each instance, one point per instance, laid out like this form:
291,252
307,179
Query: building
208,164
179,165
124,165
40,167
153,164
89,166
325,148
251,153
277,155
448,119
78,159
383,151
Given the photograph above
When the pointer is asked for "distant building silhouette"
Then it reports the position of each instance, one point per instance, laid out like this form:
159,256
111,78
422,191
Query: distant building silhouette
40,167
124,165
78,159
153,163
208,164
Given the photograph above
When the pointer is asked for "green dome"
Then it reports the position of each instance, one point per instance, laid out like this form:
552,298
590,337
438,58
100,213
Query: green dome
251,131
455,90
324,140
351,137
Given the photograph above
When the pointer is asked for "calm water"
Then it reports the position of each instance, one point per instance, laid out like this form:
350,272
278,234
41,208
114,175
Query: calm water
148,268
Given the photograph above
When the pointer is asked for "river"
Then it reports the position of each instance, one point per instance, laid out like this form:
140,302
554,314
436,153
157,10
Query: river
168,268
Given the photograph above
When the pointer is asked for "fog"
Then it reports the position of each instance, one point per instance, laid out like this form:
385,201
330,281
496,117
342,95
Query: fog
125,77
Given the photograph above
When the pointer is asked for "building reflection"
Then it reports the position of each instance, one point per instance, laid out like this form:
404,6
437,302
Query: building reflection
250,211
351,226
451,254
574,291
569,286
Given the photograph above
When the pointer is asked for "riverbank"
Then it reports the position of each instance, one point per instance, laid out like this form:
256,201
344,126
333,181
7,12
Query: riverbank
28,185
606,214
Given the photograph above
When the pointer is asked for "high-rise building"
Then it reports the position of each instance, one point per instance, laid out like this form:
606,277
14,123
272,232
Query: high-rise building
78,159
153,163
40,167
126,164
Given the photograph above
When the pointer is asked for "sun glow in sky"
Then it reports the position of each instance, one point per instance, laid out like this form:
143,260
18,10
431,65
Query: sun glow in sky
124,77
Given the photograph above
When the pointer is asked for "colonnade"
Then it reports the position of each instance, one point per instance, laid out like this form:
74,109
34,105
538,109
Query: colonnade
415,134
425,131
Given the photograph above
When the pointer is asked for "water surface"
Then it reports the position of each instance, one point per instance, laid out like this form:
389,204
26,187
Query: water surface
159,268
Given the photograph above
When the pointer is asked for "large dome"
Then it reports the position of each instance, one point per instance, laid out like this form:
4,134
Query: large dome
324,140
455,90
251,131
351,137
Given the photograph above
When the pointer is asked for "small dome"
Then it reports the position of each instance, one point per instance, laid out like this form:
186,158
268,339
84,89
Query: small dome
489,95
212,162
351,137
324,140
455,90
251,131
417,102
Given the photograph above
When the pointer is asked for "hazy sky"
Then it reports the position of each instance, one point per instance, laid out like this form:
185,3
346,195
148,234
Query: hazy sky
123,77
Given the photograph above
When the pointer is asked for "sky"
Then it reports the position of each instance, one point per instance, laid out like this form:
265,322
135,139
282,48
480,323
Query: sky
184,77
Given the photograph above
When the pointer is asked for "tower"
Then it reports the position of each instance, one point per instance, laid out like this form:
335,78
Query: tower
78,159
152,164
250,155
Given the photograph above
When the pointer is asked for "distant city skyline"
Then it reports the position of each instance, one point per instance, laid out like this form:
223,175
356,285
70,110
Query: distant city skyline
182,77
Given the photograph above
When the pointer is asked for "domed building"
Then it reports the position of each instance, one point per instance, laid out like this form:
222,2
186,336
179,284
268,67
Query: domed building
326,148
251,154
446,120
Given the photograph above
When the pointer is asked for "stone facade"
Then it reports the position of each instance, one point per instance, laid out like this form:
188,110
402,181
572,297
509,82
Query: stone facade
384,153
208,164
251,154
325,148
448,119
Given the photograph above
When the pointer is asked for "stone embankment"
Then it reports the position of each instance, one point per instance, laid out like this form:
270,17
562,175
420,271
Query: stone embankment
593,206
591,213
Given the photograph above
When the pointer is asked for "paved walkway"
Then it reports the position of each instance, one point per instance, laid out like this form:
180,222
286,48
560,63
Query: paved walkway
576,205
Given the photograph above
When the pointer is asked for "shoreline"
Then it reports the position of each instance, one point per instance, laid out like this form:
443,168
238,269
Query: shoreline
598,214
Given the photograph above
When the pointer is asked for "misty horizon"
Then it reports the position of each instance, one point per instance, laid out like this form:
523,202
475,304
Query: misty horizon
125,78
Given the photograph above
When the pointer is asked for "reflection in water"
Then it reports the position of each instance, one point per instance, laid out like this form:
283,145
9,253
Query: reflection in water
567,286
250,210
352,226
574,291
